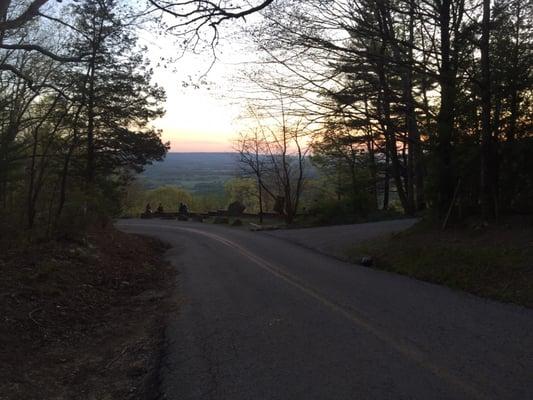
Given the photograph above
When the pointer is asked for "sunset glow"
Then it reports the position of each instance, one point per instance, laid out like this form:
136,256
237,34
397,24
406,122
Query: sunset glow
196,122
202,118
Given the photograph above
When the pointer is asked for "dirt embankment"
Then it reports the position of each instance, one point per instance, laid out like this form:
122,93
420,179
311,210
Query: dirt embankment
83,320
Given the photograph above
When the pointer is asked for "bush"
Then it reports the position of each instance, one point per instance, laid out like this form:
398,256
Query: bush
346,210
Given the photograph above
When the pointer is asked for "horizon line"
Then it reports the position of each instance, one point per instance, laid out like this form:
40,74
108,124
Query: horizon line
200,152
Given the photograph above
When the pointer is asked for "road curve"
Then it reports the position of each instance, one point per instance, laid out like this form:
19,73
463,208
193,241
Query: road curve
335,240
267,319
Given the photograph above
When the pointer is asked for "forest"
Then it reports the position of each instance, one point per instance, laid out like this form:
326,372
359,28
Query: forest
76,103
428,102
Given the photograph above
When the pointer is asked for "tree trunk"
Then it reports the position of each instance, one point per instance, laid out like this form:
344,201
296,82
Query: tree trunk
260,193
31,185
371,157
405,66
390,138
91,153
90,125
446,116
63,186
386,183
487,178
373,173
415,145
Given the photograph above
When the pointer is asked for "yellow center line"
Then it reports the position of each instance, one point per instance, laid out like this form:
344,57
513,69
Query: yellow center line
349,313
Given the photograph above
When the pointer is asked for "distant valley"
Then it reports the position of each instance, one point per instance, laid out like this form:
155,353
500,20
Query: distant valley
198,173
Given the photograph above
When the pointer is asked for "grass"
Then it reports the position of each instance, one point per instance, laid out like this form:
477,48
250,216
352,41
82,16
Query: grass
494,262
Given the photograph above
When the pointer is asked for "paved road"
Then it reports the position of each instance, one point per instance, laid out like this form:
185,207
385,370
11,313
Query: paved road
334,240
266,319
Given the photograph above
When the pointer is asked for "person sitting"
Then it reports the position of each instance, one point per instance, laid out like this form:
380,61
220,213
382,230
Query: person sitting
160,208
148,209
182,210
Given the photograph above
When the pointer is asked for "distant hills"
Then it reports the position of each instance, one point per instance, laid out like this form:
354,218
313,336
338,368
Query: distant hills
200,173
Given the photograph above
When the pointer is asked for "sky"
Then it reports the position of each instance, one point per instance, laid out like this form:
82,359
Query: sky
196,120
202,114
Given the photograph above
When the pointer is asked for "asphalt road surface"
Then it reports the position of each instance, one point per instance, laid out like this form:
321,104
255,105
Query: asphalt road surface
334,240
266,319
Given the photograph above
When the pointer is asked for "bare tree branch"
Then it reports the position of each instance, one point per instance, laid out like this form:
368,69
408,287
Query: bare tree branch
42,50
206,10
31,12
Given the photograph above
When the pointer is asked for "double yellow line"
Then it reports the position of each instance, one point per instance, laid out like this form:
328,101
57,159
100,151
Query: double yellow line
409,351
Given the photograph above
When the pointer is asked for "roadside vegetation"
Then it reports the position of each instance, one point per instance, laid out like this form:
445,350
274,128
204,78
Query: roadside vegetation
493,261
80,302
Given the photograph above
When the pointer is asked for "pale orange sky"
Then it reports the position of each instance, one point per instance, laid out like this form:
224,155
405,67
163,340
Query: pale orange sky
197,120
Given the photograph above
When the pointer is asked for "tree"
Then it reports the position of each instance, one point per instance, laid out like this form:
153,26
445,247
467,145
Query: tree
275,153
49,106
245,191
488,179
252,149
116,86
423,76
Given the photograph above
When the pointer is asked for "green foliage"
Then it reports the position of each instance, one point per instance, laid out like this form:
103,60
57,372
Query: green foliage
346,192
208,202
69,145
135,198
168,196
243,190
